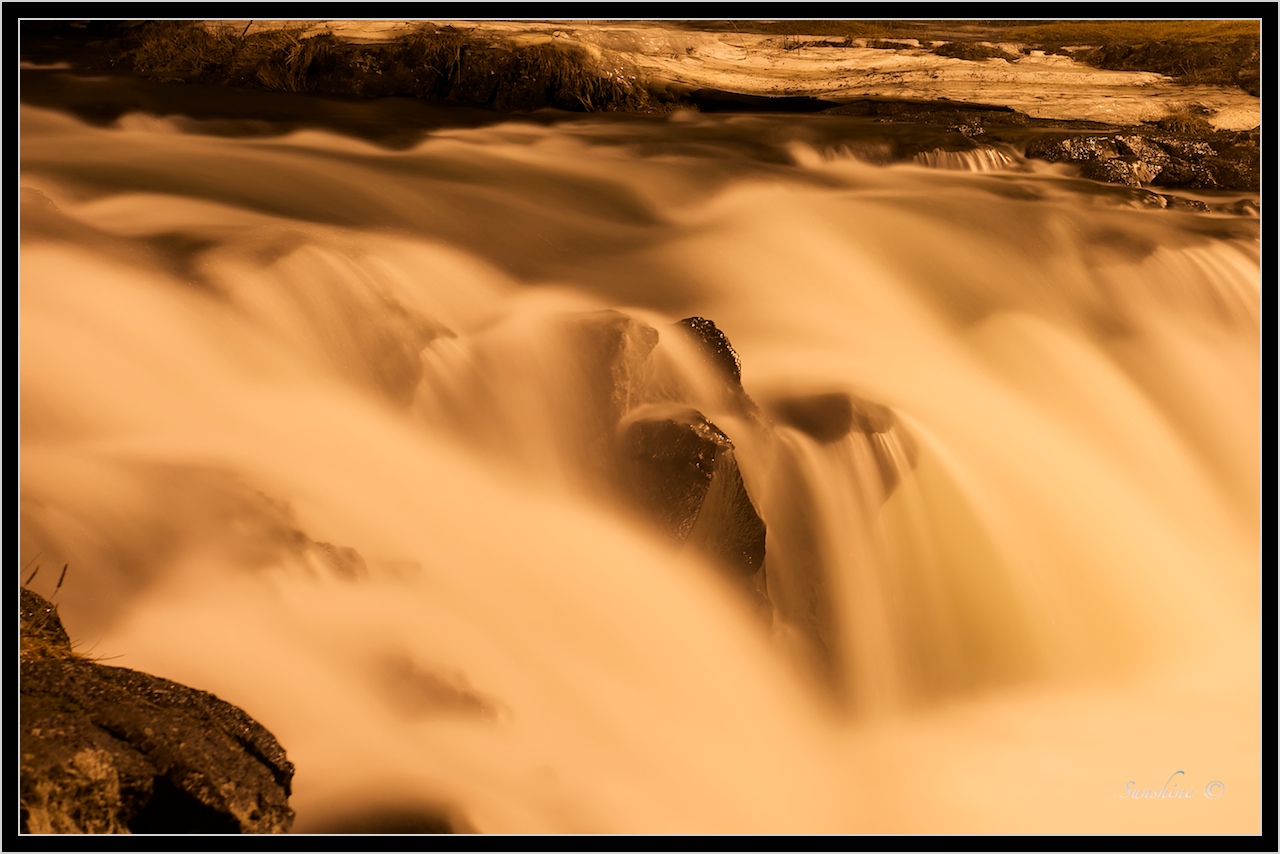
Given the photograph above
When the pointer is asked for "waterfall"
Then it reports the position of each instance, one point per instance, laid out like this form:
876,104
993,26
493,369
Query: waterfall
981,159
325,428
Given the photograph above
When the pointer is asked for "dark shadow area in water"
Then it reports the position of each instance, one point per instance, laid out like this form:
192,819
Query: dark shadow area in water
103,98
384,820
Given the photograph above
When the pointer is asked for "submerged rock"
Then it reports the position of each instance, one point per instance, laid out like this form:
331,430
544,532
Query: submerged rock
831,417
112,750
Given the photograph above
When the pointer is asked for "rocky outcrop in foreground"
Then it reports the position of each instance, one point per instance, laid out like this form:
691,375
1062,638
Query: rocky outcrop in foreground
111,750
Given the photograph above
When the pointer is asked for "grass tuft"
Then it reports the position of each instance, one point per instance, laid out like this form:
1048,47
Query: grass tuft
1186,123
1229,62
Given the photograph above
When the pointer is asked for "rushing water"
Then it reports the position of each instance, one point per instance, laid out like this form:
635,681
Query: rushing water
244,357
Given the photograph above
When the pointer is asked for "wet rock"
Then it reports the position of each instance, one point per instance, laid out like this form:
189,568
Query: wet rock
1135,145
708,100
416,691
615,348
1208,160
948,113
1072,149
1148,199
680,469
831,417
346,562
1180,203
715,344
1245,207
1117,171
111,750
612,352
827,417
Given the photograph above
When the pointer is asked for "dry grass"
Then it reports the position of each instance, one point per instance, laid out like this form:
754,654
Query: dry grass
971,51
1225,62
1096,33
1223,53
1186,123
842,29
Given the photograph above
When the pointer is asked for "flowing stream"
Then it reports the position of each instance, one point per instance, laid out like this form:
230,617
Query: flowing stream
301,416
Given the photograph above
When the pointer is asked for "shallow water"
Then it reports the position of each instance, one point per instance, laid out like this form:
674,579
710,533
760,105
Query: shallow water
242,356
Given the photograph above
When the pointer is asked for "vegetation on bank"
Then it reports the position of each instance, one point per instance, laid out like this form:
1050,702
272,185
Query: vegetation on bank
432,62
1094,33
442,62
1232,62
972,51
461,66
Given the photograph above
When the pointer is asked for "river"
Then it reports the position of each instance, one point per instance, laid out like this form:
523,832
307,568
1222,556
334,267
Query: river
300,414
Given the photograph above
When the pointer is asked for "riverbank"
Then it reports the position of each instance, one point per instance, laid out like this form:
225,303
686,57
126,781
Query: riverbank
656,65
967,85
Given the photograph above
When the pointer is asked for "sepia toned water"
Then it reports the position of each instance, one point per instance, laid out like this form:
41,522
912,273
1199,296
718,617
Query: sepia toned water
299,414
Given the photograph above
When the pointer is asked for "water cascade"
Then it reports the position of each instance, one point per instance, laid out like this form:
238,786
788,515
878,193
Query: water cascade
332,431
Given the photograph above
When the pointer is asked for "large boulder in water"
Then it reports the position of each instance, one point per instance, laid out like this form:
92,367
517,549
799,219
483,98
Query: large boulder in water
613,351
111,750
681,470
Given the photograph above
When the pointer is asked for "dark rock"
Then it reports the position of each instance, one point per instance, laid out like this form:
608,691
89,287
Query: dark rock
1211,160
1185,149
111,750
715,344
680,469
825,417
1181,203
719,100
1072,148
42,631
612,351
614,347
831,417
1142,148
1245,207
1114,170
949,113
1148,199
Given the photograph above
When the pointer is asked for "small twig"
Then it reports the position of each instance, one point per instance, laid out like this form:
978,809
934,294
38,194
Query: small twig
246,29
33,560
27,583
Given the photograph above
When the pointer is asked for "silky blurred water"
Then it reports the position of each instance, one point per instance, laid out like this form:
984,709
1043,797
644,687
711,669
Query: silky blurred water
240,357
